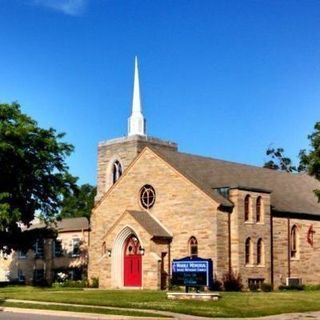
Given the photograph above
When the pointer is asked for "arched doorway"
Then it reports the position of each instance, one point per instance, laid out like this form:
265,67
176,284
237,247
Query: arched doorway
132,263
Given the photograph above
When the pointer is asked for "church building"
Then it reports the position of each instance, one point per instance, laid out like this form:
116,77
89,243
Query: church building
155,204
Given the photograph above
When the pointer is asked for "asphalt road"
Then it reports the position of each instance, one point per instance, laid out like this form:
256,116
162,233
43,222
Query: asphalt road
4,315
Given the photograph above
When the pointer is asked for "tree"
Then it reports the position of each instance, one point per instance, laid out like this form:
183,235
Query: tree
311,160
79,203
34,176
279,161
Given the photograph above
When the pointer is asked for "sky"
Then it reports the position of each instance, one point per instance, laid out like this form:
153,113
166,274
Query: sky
222,78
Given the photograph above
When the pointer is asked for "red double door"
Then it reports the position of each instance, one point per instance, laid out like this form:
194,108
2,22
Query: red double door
132,262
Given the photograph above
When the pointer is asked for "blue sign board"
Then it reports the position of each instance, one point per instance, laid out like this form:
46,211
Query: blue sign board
192,271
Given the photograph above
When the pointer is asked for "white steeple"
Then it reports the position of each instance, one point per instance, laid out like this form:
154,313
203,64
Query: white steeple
136,122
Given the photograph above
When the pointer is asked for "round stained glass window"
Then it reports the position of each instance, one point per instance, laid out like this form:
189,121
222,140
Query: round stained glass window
147,196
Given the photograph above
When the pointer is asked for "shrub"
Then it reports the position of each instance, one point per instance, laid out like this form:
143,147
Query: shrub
232,281
292,287
94,282
173,287
312,287
71,284
216,286
266,287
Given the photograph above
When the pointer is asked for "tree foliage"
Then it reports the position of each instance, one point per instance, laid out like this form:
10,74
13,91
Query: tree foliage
311,160
279,161
34,176
79,203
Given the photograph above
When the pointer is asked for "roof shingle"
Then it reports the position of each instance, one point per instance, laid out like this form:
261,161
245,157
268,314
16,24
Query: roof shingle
289,192
149,223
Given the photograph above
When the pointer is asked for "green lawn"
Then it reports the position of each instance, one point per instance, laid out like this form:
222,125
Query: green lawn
247,304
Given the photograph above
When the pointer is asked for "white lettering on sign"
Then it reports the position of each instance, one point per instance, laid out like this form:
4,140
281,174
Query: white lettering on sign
190,266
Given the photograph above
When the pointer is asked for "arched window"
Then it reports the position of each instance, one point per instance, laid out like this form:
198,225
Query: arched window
248,251
132,246
104,248
116,171
258,209
260,252
246,208
193,247
294,242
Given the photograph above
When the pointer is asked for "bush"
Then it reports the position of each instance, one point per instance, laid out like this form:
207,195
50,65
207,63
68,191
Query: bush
94,282
292,287
173,287
312,287
71,284
216,286
266,287
232,281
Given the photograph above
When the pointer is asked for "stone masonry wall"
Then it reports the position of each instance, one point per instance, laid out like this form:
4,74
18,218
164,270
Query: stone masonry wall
241,230
307,263
124,150
13,263
180,206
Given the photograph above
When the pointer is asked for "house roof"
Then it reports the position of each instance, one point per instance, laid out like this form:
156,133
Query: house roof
65,225
150,224
292,193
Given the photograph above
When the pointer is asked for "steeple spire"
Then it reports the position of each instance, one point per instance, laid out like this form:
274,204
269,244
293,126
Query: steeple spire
136,122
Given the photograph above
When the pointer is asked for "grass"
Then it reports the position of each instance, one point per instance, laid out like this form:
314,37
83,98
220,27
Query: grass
246,304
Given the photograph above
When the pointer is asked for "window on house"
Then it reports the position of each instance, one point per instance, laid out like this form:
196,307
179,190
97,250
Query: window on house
248,251
22,254
75,247
255,282
116,171
246,208
260,252
38,276
193,247
39,248
74,274
258,209
21,277
294,242
57,248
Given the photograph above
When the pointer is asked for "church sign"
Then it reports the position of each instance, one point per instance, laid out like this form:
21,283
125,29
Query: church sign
192,272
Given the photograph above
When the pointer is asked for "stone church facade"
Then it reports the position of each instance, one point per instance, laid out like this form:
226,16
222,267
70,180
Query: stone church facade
155,204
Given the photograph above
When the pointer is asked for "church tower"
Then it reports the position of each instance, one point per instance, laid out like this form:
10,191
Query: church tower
115,155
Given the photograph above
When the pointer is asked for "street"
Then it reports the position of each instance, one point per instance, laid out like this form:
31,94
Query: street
28,316
9,315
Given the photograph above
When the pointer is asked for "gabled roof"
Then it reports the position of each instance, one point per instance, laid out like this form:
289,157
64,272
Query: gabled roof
292,193
150,224
65,225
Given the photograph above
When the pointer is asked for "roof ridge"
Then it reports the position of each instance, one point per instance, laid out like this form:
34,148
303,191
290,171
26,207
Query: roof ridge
231,162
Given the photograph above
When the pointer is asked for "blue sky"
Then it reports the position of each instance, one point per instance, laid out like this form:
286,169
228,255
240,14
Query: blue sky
225,79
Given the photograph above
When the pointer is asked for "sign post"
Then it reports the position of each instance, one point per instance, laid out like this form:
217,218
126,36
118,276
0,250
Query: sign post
192,272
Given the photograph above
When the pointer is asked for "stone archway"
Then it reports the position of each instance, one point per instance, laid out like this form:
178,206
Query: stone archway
118,254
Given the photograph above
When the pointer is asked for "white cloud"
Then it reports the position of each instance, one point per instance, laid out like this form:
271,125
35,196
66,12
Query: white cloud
71,7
